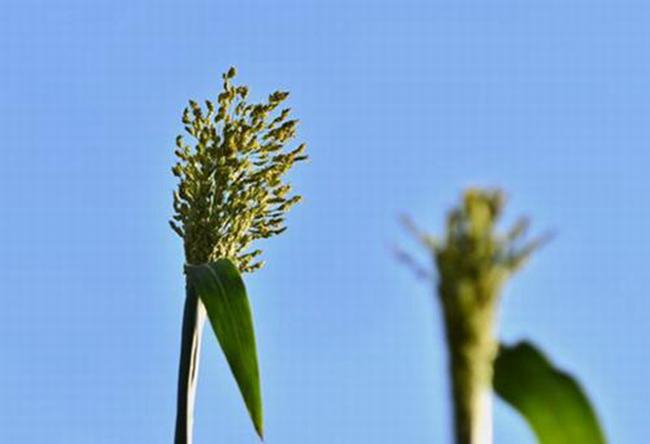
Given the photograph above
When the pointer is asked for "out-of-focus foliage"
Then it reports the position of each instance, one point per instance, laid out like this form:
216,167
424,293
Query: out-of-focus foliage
473,260
552,401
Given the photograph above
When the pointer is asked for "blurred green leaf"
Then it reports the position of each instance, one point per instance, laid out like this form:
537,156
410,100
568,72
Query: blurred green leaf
222,291
551,401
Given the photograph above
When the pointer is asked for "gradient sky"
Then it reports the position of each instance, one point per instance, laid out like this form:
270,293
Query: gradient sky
403,104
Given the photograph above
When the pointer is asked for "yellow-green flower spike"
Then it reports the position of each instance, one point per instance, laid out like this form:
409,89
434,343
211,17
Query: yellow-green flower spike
231,190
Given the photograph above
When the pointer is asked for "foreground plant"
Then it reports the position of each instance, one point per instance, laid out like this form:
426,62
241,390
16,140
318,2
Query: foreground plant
230,194
473,263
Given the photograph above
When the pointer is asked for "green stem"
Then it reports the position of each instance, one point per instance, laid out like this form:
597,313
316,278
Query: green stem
193,321
472,349
472,402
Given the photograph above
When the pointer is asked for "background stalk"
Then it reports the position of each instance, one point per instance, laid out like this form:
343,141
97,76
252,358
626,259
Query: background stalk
472,351
473,261
193,322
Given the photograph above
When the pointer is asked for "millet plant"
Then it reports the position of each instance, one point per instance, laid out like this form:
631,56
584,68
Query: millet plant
230,194
473,262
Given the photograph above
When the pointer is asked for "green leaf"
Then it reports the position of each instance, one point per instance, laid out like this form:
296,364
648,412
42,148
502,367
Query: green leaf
221,289
551,401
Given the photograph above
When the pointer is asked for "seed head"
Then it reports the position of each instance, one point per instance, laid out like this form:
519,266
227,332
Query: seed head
231,190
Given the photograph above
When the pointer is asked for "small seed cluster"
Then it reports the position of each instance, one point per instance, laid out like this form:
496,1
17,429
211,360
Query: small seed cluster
231,190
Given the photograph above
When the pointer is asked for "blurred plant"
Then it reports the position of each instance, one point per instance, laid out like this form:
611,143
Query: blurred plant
230,194
473,263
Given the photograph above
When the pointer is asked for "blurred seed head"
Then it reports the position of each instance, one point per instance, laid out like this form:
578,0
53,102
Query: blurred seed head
473,256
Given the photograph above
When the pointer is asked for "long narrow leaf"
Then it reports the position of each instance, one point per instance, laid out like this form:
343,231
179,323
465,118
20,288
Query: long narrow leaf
552,402
223,294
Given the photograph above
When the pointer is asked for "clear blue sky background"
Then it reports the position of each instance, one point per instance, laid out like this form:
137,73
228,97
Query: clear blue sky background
403,103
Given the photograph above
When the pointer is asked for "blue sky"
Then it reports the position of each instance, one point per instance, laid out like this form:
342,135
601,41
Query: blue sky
403,104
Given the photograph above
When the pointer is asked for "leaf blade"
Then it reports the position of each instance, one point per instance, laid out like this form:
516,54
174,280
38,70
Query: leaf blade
222,291
551,401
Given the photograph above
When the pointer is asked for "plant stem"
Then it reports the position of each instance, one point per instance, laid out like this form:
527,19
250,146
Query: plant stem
473,263
471,355
472,407
193,321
